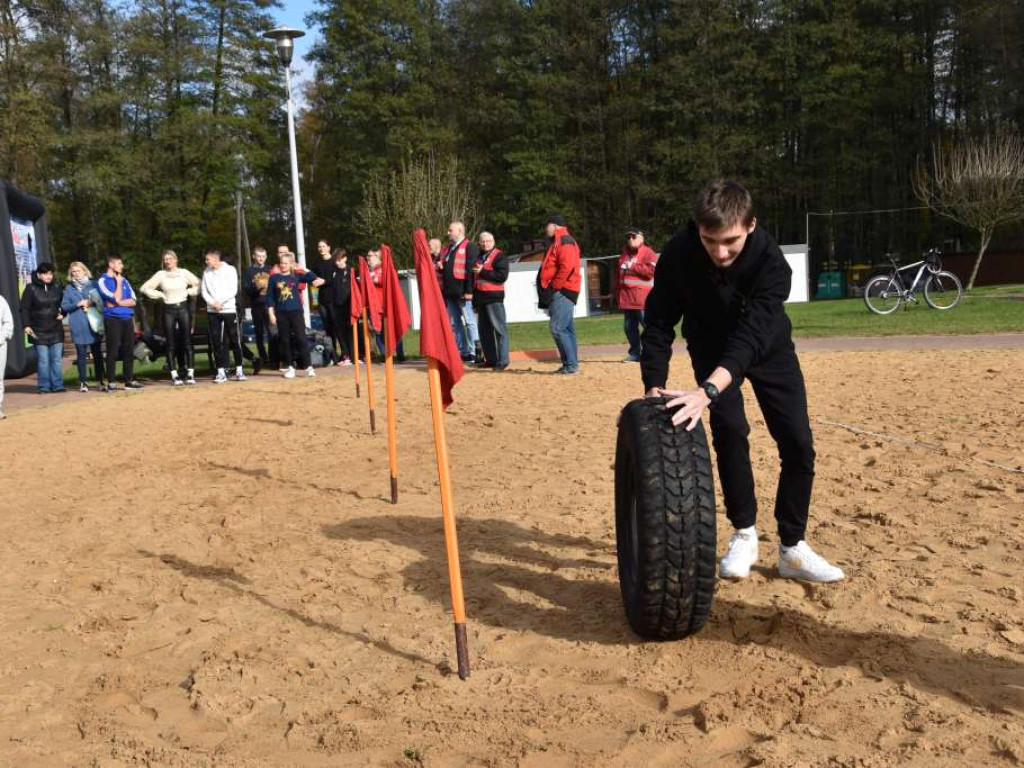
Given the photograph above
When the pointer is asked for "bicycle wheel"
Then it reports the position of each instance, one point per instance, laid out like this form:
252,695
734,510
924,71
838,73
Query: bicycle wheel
943,290
882,295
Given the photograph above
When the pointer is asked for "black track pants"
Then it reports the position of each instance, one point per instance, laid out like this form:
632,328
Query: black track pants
179,337
224,333
119,335
261,330
291,333
778,386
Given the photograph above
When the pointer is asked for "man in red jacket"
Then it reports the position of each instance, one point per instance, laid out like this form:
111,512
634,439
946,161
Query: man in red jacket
558,288
636,278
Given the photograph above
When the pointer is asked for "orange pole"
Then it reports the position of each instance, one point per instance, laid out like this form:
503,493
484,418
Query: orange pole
369,372
355,354
451,538
389,380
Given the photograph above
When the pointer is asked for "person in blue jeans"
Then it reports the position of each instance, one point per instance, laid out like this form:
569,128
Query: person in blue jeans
41,318
81,295
558,289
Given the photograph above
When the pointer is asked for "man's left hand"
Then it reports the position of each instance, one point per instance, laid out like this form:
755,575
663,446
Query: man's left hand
691,404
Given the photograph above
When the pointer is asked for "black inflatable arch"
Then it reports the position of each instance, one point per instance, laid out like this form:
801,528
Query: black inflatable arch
21,361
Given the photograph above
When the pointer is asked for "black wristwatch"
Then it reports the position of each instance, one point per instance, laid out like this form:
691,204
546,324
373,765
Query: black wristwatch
711,391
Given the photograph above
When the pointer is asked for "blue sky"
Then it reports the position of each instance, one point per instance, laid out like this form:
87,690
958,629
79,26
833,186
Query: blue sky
291,15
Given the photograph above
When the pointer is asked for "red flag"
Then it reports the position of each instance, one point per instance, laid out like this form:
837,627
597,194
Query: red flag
436,339
395,308
371,295
356,303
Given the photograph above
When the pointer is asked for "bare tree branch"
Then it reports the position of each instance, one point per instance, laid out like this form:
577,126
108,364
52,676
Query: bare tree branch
978,182
428,192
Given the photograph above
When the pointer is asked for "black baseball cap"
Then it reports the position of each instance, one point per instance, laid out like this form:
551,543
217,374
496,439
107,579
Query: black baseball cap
634,231
557,219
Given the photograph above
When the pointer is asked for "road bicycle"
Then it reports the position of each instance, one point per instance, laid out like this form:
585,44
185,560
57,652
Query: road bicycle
884,294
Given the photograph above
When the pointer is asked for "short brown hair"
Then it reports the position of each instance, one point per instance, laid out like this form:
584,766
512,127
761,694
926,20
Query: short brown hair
722,204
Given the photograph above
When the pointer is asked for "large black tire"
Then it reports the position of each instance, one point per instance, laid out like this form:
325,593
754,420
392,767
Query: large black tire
664,522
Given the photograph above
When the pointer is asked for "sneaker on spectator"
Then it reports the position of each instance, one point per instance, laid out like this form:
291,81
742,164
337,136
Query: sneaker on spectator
289,372
221,377
239,374
310,372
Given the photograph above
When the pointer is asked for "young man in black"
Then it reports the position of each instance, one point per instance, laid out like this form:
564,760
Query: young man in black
727,279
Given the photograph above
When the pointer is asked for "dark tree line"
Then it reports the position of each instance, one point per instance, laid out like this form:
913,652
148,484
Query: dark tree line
617,111
138,122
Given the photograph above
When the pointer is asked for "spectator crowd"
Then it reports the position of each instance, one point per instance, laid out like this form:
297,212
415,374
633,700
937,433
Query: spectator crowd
101,311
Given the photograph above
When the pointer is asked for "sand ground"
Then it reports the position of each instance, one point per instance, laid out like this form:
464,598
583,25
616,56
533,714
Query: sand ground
216,578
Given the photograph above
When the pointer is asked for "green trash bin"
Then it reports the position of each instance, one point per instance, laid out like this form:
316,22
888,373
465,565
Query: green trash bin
831,285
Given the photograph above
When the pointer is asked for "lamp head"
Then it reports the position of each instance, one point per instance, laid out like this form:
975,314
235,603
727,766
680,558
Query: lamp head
285,39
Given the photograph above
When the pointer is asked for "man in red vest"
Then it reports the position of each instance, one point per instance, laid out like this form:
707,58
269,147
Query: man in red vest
456,266
636,278
558,289
491,272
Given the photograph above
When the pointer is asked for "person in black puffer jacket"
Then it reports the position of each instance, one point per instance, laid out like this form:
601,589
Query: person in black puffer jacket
41,317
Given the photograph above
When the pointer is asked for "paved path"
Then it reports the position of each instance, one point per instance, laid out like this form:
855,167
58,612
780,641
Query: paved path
830,344
21,393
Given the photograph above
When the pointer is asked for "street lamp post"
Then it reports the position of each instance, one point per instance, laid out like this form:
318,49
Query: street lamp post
285,39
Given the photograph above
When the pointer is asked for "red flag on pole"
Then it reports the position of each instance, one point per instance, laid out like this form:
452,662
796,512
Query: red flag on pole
356,303
395,309
371,295
436,339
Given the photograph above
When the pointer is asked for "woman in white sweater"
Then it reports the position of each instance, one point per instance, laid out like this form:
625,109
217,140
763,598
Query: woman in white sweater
174,286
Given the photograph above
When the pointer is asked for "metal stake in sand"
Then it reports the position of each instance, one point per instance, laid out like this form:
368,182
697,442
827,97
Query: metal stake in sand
355,356
389,384
369,372
451,539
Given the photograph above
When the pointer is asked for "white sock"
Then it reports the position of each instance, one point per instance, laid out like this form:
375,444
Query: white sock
239,371
191,372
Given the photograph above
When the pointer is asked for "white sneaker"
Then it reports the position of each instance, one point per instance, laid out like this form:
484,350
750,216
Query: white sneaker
239,374
310,373
803,563
289,372
742,554
221,377
190,380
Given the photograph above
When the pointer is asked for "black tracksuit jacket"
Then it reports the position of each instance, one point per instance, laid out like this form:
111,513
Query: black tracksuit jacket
732,317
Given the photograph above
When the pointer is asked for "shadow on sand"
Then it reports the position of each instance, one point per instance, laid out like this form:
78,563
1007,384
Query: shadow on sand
514,581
